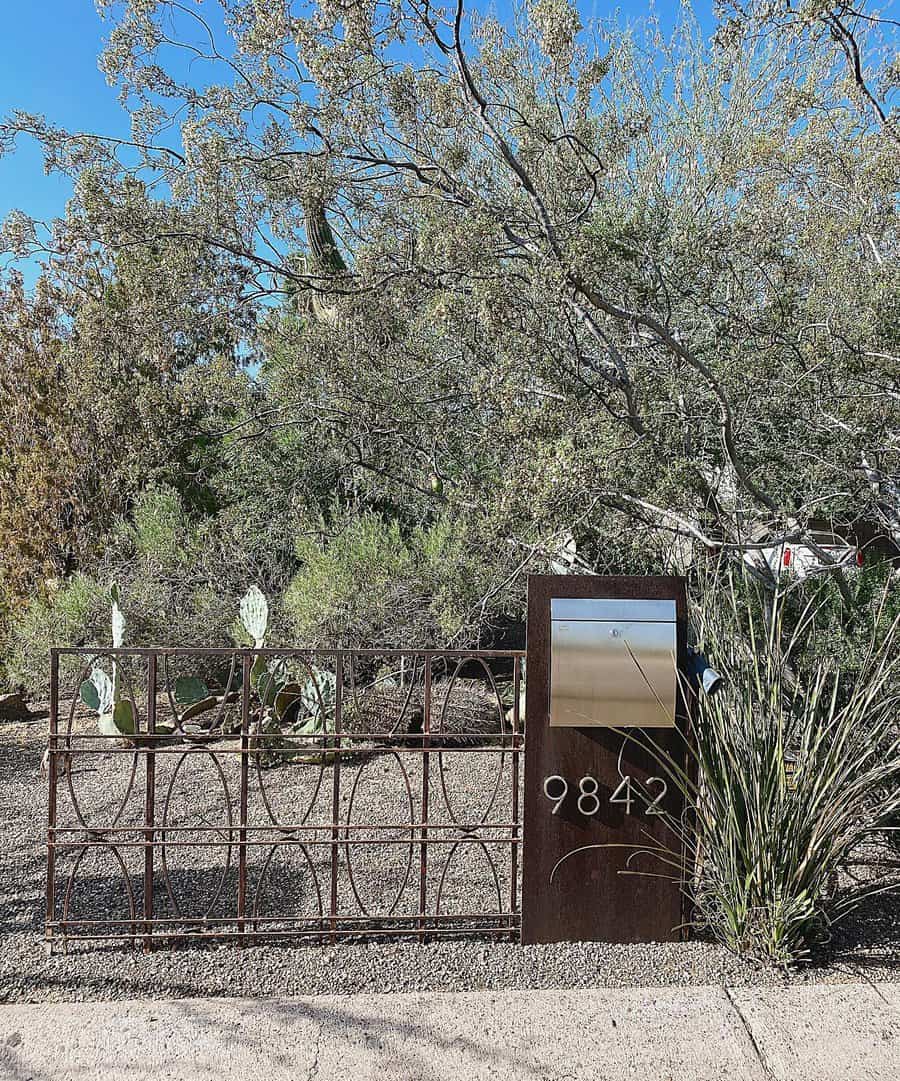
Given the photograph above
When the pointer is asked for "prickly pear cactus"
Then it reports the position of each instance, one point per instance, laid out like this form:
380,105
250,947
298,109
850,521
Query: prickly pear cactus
116,716
319,694
255,615
97,691
117,618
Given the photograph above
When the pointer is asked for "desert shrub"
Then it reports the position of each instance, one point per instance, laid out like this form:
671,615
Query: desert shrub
180,582
794,771
7,604
159,531
456,572
835,632
74,614
354,586
370,584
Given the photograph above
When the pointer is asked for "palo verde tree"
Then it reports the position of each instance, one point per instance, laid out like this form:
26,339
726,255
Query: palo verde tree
611,284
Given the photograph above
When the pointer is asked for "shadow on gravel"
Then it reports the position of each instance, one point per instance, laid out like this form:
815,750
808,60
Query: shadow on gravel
868,937
23,810
113,984
18,759
21,909
15,1070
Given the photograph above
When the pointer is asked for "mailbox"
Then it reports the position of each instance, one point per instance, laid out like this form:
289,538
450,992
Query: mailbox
612,663
602,655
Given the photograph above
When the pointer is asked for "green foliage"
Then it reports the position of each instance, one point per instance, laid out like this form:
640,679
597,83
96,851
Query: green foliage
797,767
189,690
369,583
633,314
40,516
123,720
159,530
295,713
97,692
346,586
832,633
180,580
116,715
76,614
317,699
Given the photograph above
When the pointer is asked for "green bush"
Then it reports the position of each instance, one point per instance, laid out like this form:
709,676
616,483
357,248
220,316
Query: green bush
369,584
160,531
76,614
351,589
6,606
180,583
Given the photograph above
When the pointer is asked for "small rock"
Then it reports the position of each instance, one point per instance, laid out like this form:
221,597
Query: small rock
13,707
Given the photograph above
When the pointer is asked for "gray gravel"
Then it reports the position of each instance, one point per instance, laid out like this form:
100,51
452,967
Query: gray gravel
868,949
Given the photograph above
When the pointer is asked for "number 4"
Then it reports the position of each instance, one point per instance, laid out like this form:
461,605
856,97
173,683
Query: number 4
627,799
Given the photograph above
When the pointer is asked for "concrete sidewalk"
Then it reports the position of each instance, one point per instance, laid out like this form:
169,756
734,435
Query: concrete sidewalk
820,1033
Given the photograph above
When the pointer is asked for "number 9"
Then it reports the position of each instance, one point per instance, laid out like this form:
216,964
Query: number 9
557,800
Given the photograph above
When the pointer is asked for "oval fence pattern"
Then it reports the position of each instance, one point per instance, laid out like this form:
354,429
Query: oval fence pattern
268,794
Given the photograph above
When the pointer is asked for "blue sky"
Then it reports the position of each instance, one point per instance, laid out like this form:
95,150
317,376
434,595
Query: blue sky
48,64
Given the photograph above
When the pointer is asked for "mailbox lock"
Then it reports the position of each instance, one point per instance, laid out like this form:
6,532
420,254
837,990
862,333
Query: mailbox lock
614,633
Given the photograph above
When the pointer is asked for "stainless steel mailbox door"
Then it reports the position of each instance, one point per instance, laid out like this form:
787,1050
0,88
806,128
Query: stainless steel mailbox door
612,663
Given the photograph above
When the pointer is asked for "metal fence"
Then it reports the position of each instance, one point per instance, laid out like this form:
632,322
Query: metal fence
284,794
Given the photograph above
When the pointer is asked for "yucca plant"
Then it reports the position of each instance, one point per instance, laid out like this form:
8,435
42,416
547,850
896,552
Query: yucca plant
793,767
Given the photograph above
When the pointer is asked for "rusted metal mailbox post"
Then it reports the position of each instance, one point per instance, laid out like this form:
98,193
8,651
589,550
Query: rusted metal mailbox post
602,658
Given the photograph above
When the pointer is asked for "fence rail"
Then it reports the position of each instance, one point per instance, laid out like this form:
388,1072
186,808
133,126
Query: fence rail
279,793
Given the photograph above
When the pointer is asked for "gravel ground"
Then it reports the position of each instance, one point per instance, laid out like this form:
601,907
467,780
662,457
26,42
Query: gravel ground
867,950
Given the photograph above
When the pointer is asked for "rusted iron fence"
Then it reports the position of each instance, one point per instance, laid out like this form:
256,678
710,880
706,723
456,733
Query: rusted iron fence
270,794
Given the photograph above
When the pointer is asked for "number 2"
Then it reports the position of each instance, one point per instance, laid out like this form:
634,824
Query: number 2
653,808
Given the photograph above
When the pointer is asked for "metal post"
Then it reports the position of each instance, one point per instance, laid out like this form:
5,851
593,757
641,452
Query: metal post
149,803
51,801
336,791
426,754
245,752
514,884
575,773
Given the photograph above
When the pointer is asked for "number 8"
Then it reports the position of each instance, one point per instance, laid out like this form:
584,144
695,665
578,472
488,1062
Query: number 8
588,794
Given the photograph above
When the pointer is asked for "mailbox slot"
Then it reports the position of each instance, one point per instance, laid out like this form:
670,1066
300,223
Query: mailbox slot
612,663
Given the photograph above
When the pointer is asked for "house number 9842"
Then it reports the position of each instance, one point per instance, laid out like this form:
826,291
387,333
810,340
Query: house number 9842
556,788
